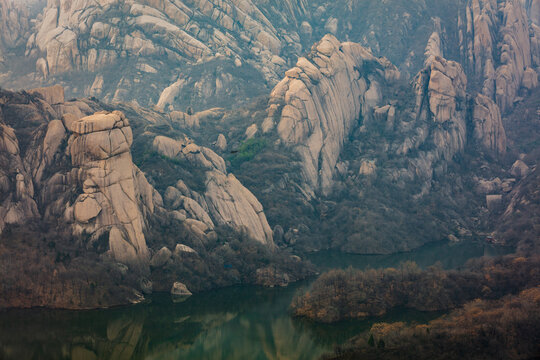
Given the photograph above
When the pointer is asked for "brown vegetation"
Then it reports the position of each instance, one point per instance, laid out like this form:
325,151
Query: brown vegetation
347,294
508,328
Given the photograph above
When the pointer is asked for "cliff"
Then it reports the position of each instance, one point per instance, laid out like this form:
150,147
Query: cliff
319,102
72,199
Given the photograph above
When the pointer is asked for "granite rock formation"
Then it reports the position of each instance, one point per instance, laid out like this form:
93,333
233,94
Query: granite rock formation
67,167
499,42
488,127
319,103
225,200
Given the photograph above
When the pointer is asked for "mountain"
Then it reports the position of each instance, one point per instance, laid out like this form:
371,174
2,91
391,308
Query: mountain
201,54
208,139
73,196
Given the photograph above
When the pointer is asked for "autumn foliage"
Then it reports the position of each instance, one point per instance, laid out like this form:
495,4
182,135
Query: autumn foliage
351,293
508,328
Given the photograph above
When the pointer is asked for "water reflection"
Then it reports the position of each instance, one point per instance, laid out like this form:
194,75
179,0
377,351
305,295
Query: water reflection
236,323
233,323
450,255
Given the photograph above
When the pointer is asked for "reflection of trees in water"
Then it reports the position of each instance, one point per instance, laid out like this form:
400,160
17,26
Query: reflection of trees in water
242,322
451,255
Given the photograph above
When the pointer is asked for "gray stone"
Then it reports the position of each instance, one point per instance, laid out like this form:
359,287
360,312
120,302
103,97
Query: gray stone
179,289
161,257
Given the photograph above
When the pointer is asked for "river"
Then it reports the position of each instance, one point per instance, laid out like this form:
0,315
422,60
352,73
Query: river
244,322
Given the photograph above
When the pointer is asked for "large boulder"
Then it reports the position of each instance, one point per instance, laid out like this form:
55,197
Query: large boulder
180,289
225,200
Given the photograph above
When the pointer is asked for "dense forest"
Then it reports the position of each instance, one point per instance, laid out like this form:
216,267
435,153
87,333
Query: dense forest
508,328
347,294
494,304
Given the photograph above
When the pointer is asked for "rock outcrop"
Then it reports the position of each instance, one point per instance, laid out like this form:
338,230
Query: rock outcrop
114,189
322,99
225,200
14,25
86,35
87,214
488,127
440,116
114,194
499,45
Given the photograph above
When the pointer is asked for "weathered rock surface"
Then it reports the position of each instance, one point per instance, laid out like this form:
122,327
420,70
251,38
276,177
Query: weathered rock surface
161,257
100,152
488,127
494,202
320,101
440,107
519,169
221,143
231,203
66,166
52,95
14,24
71,36
225,200
180,289
500,42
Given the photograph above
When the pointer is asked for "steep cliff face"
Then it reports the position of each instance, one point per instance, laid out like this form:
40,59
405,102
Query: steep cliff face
167,43
109,192
320,101
205,52
167,27
26,150
488,127
225,201
115,192
71,196
362,138
338,87
440,100
499,43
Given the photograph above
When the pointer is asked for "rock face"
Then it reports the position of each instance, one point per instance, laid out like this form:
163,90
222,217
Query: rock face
180,289
225,200
500,65
488,127
320,101
337,90
114,190
165,27
14,24
443,104
97,36
66,167
435,130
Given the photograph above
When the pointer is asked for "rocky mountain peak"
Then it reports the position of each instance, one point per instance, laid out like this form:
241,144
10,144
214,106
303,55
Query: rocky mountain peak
320,101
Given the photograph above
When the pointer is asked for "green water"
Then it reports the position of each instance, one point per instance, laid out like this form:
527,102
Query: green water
449,255
233,323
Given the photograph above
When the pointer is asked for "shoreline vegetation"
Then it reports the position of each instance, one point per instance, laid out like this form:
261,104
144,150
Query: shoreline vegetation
493,305
508,328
